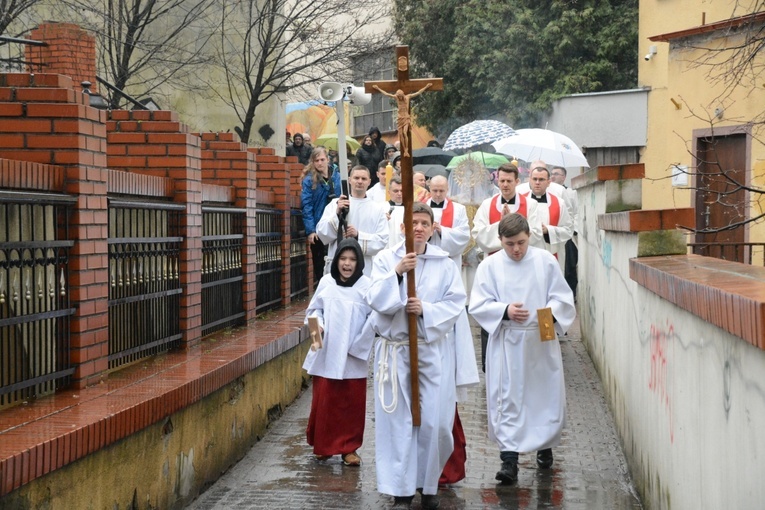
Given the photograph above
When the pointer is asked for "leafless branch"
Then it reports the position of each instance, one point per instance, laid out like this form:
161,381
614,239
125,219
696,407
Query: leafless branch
268,47
145,43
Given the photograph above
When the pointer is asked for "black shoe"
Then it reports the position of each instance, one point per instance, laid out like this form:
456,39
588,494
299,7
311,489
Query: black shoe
508,473
545,458
430,501
402,501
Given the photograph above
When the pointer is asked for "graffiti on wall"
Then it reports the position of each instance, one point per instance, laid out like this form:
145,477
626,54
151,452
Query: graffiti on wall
659,383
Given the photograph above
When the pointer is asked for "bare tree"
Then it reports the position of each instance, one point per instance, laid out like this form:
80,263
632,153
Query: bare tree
738,64
270,46
145,43
12,10
726,197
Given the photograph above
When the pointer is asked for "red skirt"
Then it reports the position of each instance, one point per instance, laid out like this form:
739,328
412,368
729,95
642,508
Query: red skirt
454,470
338,409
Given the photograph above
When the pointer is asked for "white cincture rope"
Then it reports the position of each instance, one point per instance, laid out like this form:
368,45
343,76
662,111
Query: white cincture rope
383,371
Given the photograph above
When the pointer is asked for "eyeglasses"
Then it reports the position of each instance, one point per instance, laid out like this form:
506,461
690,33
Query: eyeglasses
557,174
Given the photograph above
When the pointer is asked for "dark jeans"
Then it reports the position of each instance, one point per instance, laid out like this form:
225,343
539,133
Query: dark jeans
318,252
569,272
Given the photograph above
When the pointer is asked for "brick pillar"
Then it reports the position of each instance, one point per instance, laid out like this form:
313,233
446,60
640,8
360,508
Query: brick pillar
43,120
71,51
227,162
274,175
156,143
295,170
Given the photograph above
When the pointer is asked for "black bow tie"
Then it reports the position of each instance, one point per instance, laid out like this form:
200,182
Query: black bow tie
542,199
434,205
511,201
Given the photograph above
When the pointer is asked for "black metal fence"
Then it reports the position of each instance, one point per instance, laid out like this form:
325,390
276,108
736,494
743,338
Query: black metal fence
12,55
222,238
144,280
298,256
268,258
34,297
144,248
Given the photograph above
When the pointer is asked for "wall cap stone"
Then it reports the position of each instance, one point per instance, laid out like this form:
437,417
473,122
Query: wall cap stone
727,294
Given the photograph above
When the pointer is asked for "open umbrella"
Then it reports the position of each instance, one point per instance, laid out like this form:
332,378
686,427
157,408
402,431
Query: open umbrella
551,147
330,142
431,171
432,156
477,132
487,159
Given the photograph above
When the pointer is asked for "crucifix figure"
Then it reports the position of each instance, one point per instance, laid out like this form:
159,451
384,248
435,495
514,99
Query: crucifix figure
404,115
403,89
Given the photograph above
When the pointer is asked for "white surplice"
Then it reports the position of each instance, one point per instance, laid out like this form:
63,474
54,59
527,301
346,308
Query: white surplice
486,234
395,235
348,337
408,457
455,238
369,218
525,389
377,193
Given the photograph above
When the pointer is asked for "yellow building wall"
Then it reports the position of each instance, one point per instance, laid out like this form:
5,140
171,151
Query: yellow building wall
683,98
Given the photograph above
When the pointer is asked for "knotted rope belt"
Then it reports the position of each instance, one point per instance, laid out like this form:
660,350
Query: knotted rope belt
386,371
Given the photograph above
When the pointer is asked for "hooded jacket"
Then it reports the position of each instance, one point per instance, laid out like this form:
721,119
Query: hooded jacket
346,244
302,151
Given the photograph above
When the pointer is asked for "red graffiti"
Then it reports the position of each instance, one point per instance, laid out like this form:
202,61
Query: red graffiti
658,382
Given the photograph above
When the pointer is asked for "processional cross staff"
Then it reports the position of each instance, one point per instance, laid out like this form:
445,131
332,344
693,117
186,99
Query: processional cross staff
403,89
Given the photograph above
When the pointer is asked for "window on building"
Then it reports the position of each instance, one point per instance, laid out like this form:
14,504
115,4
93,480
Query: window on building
381,111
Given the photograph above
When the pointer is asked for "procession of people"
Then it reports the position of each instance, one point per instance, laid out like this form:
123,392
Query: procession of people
397,278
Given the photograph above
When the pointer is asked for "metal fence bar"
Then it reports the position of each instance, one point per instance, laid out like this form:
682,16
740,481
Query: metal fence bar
35,309
144,279
298,258
222,292
268,259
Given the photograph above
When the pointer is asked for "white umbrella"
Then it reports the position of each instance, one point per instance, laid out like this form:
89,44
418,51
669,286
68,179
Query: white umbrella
551,147
477,132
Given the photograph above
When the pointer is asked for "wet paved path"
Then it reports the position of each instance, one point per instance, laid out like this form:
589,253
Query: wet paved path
590,472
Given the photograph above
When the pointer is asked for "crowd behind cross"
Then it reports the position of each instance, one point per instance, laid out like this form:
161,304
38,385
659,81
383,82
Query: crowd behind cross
526,233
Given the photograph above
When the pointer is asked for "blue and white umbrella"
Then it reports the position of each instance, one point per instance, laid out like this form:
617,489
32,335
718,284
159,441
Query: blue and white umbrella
477,132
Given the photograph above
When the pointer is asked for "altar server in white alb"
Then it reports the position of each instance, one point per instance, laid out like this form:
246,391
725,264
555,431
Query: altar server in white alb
525,390
366,219
451,231
409,458
339,368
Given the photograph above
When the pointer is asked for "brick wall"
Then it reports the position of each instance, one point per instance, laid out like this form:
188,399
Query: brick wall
52,140
156,143
70,51
227,162
275,175
43,120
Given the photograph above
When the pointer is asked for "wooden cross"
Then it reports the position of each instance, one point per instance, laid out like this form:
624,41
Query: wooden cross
403,89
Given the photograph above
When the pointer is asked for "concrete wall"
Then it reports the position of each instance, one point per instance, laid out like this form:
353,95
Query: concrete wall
589,119
167,464
688,397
